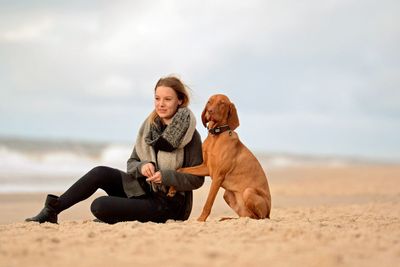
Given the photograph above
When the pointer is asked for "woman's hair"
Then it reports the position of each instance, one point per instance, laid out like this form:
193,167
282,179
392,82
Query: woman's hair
178,86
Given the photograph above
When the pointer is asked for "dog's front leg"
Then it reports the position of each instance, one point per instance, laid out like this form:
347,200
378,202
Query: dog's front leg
200,170
215,185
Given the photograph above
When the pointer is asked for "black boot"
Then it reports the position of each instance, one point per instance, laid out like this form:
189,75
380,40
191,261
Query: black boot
48,213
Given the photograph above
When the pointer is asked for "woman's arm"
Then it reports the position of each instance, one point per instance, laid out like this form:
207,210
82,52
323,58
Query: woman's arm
193,157
134,164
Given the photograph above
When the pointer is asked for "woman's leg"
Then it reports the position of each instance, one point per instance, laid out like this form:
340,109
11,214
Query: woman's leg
154,208
101,177
106,178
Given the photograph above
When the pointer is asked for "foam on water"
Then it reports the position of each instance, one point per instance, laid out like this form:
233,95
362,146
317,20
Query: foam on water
41,168
30,166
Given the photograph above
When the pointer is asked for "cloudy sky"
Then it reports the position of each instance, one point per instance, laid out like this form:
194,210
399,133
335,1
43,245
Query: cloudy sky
309,77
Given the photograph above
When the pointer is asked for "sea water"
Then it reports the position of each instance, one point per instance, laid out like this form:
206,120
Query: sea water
43,166
52,165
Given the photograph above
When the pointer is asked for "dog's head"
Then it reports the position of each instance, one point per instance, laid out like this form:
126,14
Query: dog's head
220,111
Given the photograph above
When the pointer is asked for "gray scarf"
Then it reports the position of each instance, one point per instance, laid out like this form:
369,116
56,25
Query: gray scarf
178,133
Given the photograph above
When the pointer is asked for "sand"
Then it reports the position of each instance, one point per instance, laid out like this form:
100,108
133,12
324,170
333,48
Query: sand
346,215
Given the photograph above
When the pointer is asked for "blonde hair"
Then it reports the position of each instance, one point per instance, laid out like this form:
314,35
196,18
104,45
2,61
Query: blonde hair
178,86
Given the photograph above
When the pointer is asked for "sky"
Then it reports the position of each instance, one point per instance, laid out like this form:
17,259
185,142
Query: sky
307,77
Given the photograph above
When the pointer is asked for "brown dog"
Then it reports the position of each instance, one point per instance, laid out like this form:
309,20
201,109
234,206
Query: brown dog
230,164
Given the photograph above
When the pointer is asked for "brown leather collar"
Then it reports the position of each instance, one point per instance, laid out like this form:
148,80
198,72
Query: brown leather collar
218,130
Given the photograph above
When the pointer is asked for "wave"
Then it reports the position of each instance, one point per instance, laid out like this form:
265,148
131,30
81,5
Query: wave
46,165
39,166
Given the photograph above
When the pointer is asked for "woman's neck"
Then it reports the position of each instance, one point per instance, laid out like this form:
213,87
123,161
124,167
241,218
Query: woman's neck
166,121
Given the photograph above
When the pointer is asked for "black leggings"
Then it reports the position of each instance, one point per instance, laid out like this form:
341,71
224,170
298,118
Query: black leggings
117,207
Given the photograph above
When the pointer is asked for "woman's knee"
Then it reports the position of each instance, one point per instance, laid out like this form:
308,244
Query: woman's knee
99,171
99,175
98,207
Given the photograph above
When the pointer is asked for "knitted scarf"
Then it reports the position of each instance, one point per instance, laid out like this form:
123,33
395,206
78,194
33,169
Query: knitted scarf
178,134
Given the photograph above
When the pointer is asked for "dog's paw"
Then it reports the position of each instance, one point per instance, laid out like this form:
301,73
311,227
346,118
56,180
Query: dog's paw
171,192
226,218
202,219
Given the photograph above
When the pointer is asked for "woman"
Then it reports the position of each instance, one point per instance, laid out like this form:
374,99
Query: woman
167,140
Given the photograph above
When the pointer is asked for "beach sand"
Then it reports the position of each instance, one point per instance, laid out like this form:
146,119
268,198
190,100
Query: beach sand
344,215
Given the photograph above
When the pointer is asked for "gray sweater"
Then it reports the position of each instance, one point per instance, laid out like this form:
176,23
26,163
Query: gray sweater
181,181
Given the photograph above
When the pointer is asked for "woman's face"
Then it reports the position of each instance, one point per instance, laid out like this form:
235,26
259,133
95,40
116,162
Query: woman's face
166,103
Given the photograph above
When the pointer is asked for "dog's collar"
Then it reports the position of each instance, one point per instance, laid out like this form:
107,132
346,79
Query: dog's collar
218,130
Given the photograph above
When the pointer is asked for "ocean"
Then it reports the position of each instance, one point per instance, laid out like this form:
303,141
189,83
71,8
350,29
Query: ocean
44,166
52,166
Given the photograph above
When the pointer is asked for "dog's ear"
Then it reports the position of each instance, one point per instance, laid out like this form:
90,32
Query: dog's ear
204,117
233,119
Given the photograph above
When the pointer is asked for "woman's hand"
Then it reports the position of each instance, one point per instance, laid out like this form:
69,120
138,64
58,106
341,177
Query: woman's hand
156,178
148,170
